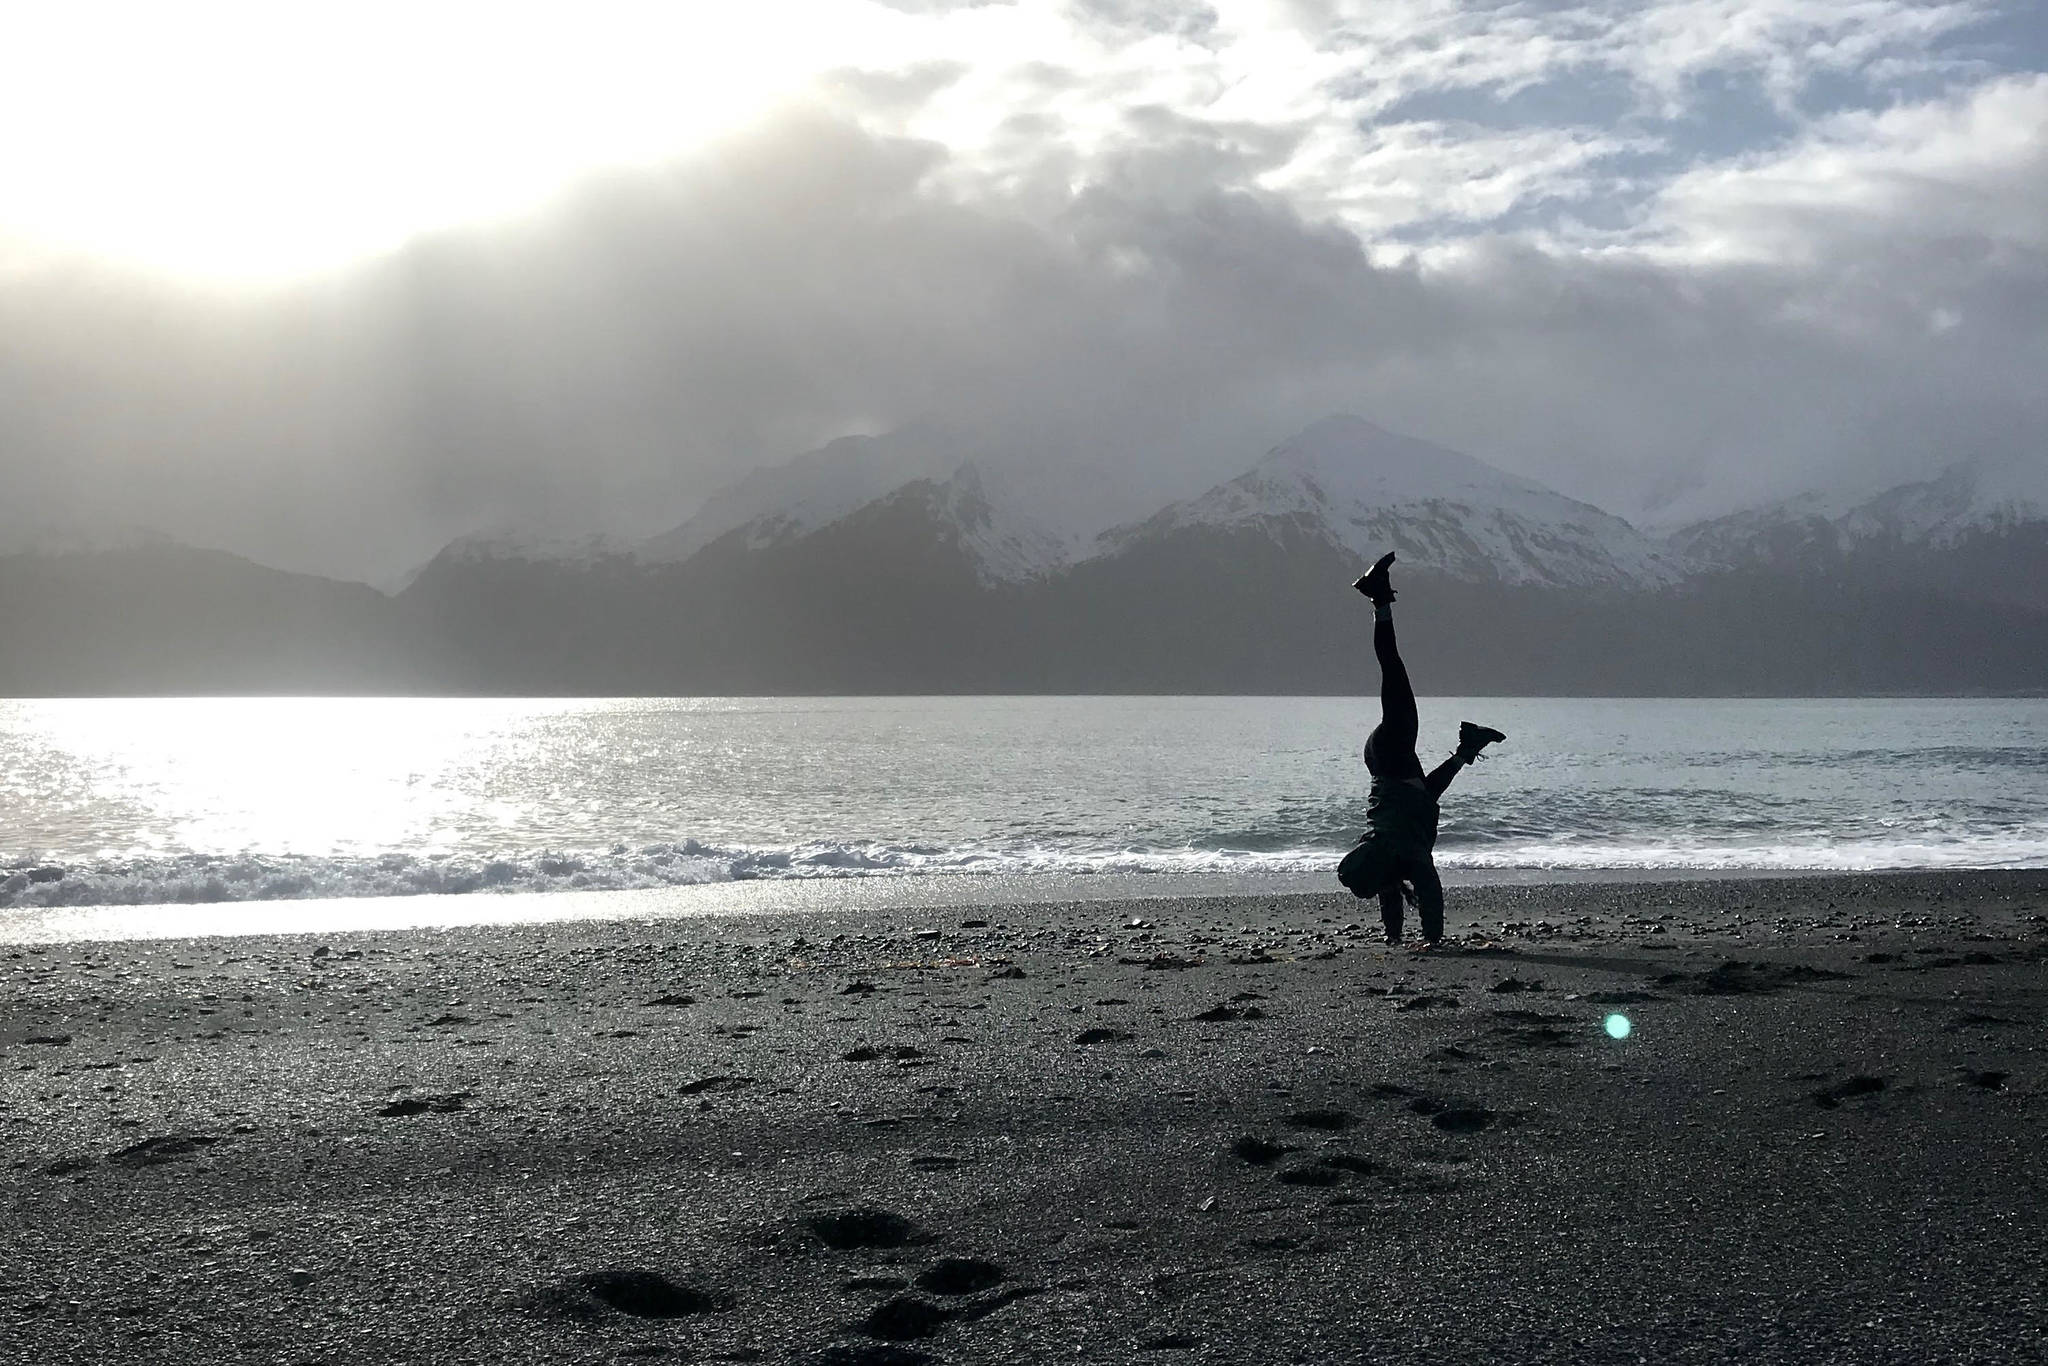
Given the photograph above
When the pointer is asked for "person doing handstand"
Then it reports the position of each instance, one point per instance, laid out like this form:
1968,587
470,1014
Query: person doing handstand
1401,813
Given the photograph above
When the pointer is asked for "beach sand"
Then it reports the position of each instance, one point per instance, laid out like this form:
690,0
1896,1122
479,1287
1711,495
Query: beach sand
1176,1131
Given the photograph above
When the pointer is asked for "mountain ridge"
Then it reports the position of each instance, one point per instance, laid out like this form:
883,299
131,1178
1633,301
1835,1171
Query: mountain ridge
932,583
1365,490
1964,531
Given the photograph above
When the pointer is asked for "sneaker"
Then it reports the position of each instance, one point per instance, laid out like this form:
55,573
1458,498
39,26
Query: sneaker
1472,739
1374,583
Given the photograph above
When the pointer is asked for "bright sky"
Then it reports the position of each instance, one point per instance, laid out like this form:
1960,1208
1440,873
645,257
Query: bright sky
255,140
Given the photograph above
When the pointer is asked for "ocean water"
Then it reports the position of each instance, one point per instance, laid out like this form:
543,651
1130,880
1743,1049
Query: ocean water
119,801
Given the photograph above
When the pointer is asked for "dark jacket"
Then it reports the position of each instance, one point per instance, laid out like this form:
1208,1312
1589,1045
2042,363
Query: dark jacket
1403,814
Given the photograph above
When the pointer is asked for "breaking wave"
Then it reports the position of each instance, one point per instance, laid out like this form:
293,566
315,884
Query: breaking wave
204,878
211,878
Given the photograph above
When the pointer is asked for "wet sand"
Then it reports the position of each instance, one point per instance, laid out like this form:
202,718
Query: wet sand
1223,1130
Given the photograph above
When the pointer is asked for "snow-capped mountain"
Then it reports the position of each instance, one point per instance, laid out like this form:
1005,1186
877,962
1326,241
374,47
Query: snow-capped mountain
787,501
1965,502
1971,534
1003,545
1364,490
970,503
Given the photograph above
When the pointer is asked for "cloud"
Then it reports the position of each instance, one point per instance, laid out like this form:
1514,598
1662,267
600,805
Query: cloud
1566,112
1136,254
1971,167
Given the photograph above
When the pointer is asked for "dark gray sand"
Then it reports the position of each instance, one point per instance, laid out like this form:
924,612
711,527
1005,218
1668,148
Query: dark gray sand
1232,1130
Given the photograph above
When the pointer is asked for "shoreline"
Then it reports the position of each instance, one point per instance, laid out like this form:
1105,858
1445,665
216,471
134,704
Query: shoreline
1198,1130
866,894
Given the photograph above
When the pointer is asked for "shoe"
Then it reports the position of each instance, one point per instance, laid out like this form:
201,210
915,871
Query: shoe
1472,739
1374,583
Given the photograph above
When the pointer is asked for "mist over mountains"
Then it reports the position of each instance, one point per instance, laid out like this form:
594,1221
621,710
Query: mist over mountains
919,562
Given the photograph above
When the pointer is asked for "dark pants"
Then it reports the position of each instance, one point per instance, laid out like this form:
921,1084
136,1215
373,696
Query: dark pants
1390,756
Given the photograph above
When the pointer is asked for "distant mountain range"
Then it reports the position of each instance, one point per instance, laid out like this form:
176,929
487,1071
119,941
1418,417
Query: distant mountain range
908,564
1969,534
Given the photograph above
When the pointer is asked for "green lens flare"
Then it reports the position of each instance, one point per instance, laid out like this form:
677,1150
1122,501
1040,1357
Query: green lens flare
1617,1026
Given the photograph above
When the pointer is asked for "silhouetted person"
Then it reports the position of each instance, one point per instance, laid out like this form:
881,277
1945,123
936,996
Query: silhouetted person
1400,816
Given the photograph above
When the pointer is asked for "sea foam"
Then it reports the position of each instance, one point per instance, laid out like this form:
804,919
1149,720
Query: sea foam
212,878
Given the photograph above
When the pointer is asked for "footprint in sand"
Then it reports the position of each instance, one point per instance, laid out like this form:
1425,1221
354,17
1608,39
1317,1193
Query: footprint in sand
1456,1116
1260,1152
445,1104
903,1317
867,1226
1535,1029
633,1291
1464,1119
959,1276
907,1317
1096,1036
1831,1096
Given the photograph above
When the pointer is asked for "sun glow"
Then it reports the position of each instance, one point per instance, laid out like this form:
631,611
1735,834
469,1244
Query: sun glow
256,140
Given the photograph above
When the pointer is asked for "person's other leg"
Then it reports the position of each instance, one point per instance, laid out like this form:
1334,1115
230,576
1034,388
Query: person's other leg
1440,777
1390,749
1471,740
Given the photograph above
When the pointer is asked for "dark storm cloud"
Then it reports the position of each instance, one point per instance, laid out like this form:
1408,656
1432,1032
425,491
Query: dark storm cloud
607,362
